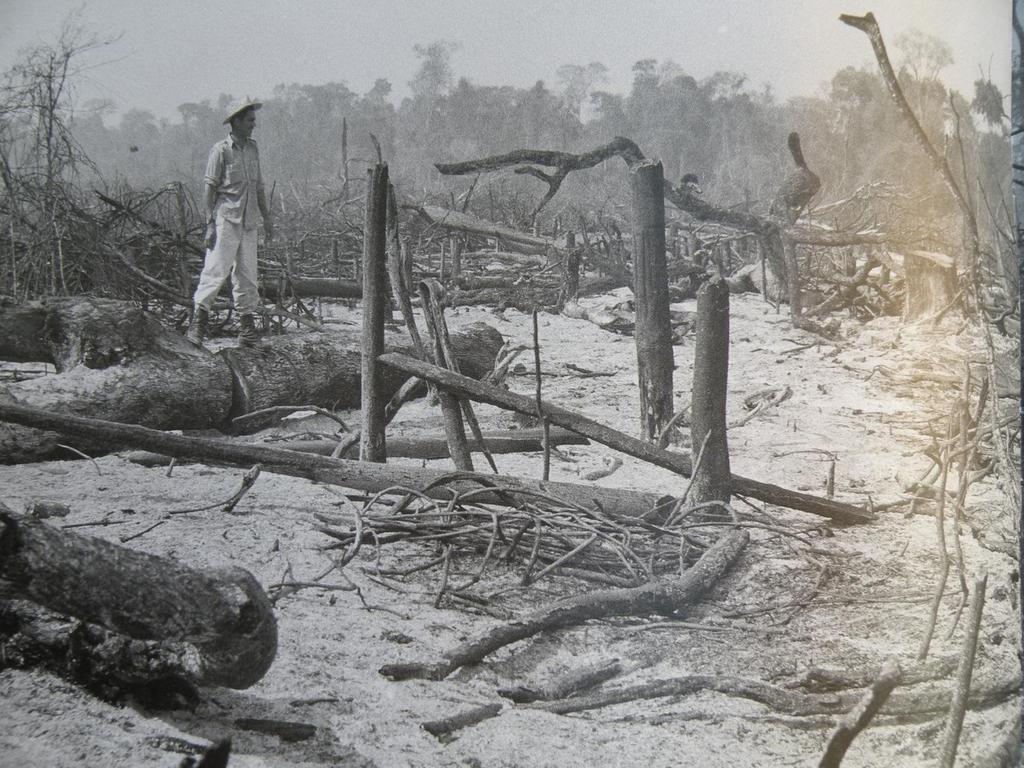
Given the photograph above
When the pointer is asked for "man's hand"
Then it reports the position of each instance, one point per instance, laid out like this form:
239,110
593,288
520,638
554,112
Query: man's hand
211,236
268,227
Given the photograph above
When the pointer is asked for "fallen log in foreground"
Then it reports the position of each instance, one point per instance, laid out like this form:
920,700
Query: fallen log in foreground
110,665
362,476
677,462
222,612
657,596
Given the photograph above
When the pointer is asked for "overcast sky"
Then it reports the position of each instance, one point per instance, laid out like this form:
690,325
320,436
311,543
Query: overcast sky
177,51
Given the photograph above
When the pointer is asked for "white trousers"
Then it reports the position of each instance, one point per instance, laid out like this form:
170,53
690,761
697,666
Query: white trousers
233,255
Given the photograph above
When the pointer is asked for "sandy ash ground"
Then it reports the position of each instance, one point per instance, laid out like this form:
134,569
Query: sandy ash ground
857,596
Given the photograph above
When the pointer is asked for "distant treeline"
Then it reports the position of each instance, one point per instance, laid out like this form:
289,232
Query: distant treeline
731,135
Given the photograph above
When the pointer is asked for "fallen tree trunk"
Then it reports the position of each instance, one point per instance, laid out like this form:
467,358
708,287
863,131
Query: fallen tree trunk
677,462
222,612
309,287
906,706
118,363
358,475
528,294
571,683
112,359
659,596
432,446
464,222
324,368
563,163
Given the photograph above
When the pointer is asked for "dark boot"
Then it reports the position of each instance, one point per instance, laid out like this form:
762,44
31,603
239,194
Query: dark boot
248,336
197,328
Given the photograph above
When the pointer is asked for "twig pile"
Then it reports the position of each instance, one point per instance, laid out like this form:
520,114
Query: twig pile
540,535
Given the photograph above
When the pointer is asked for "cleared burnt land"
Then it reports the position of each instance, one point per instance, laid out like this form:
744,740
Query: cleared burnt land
621,471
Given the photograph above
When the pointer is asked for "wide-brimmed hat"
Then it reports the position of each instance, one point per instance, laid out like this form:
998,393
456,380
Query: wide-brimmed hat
240,105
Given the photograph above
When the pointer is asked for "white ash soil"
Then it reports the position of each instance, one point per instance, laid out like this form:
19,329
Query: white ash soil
859,596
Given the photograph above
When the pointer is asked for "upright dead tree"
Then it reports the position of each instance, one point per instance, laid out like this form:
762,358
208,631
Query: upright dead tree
799,187
650,286
375,300
711,472
570,271
792,197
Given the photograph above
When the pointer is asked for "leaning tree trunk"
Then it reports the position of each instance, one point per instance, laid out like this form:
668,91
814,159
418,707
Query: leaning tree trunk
118,363
653,330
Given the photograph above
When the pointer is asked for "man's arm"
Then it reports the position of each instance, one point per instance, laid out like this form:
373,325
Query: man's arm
261,201
214,172
209,201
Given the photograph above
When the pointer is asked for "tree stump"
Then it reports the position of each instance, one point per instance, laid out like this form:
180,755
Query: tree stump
653,328
711,474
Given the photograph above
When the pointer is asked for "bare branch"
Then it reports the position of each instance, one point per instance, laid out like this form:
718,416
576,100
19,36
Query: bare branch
563,163
869,26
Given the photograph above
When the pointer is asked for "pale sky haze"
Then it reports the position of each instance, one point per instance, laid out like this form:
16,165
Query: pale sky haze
178,51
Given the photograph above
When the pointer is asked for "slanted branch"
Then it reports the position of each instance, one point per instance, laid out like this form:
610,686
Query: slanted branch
677,462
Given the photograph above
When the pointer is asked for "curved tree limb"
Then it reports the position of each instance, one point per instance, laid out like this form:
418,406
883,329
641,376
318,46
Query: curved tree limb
563,163
619,146
869,26
659,596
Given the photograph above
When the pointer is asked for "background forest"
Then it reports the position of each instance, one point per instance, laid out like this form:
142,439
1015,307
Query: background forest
317,141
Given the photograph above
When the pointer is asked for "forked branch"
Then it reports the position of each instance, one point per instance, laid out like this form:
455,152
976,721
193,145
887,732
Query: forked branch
563,163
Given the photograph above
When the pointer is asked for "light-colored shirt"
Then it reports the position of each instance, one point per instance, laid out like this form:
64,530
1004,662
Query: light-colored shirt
233,170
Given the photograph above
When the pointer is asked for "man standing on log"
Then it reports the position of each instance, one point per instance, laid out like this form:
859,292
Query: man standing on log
233,191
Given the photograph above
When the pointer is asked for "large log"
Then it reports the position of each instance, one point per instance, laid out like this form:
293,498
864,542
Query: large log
677,462
110,665
222,612
117,362
114,360
324,368
362,476
309,287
